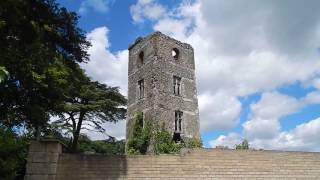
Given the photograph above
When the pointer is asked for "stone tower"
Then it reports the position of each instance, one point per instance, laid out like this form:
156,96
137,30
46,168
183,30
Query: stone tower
162,85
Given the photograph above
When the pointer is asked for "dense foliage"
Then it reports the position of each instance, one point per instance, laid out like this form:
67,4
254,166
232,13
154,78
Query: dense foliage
109,146
89,107
243,145
3,73
40,49
164,144
141,137
13,151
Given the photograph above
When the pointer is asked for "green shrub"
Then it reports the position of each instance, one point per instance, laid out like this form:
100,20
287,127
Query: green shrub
3,73
111,147
243,145
13,153
163,143
139,138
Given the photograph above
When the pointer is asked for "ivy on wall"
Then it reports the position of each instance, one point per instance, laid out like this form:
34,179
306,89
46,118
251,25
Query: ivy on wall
141,136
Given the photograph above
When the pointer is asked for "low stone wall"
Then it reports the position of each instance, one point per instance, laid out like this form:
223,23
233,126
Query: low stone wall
192,164
42,161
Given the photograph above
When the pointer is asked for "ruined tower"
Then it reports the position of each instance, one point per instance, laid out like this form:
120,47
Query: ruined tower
162,85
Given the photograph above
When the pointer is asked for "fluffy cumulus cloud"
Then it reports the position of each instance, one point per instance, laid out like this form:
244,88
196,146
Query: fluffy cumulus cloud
100,6
265,115
229,141
147,9
304,137
247,47
107,67
222,109
263,129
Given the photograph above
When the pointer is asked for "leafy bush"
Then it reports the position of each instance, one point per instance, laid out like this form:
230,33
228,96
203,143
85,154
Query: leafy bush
13,153
110,146
139,138
163,143
243,145
3,73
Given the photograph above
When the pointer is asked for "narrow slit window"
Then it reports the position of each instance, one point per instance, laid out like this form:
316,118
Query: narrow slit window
141,59
176,85
141,88
178,121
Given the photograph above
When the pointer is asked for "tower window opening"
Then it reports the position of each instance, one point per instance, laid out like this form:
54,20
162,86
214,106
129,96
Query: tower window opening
141,88
176,137
178,121
176,85
141,59
175,53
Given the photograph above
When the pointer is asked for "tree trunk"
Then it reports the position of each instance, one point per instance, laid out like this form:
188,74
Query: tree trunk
38,133
76,133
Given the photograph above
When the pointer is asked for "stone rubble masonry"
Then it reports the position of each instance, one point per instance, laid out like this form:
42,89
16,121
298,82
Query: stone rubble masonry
159,66
190,164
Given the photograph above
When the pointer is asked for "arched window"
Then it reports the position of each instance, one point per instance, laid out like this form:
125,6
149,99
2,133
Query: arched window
141,59
175,53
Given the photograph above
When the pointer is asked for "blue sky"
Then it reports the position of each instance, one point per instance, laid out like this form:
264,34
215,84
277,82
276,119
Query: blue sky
257,63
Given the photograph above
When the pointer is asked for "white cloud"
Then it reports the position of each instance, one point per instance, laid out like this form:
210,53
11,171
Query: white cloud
316,83
167,25
265,115
117,130
109,68
304,137
274,105
313,97
146,9
284,27
218,111
230,140
105,66
100,6
263,129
